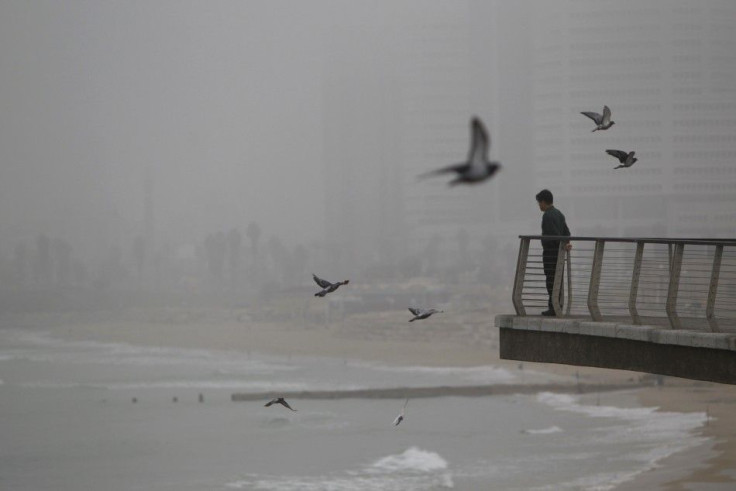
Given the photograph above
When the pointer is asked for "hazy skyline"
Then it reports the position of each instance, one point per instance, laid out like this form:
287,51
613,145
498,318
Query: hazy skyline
177,175
220,100
225,104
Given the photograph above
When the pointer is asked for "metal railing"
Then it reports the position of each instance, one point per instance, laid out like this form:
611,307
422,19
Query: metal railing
682,283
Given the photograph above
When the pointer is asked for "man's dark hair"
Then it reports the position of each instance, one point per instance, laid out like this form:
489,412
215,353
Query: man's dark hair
545,195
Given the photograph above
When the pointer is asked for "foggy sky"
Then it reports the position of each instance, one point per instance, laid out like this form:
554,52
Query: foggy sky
221,102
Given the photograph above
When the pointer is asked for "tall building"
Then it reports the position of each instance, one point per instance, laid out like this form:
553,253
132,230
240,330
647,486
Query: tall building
399,96
666,69
362,132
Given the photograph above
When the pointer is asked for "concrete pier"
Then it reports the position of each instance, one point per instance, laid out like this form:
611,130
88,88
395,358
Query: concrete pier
660,350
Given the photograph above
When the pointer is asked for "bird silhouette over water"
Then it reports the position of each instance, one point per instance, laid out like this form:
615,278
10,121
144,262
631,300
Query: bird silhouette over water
422,313
279,400
626,159
400,417
477,168
602,121
326,286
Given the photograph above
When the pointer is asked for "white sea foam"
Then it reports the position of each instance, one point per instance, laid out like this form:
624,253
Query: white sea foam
605,481
569,402
207,369
660,433
93,352
412,470
413,459
645,423
543,431
247,386
331,483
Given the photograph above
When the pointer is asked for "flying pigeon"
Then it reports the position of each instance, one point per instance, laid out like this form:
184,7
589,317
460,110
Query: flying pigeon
422,313
477,168
602,121
626,159
326,286
279,400
400,417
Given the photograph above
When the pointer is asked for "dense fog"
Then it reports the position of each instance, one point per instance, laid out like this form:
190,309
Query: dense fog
198,148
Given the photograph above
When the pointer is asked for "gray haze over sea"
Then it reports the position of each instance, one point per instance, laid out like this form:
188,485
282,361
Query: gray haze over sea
68,423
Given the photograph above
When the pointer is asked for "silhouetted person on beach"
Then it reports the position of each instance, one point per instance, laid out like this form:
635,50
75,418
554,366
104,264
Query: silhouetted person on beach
553,223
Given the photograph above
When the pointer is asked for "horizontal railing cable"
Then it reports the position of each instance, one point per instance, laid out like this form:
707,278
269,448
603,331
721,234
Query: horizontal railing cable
653,279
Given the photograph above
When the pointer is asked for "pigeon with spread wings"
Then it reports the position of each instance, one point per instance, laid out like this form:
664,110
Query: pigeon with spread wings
627,159
477,168
279,400
326,286
422,313
602,121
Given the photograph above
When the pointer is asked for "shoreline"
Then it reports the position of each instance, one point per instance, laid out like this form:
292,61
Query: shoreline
434,391
710,465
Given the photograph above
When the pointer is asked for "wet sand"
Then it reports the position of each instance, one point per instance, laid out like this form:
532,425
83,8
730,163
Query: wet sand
468,341
709,467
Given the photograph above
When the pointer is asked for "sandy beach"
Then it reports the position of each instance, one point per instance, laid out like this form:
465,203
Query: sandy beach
711,466
470,340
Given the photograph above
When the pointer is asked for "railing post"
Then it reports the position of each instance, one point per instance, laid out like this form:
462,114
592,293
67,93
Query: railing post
674,286
519,278
562,277
713,289
568,305
595,281
635,319
559,274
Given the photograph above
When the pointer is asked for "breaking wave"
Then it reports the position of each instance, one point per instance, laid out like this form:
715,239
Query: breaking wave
412,470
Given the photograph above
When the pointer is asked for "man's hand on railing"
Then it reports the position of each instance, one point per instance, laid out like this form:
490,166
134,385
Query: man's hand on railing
568,246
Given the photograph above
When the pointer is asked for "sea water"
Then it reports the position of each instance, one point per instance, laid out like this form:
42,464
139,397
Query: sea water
68,422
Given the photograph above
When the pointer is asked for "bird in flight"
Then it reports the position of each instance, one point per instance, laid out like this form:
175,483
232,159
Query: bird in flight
326,286
422,313
626,159
602,121
400,417
279,400
477,168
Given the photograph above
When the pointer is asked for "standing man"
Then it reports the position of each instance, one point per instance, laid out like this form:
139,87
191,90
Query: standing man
553,223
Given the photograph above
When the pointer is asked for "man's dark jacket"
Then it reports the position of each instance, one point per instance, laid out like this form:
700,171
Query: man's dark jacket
553,223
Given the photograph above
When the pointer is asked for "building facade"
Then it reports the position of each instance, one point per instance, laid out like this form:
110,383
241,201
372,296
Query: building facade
666,69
